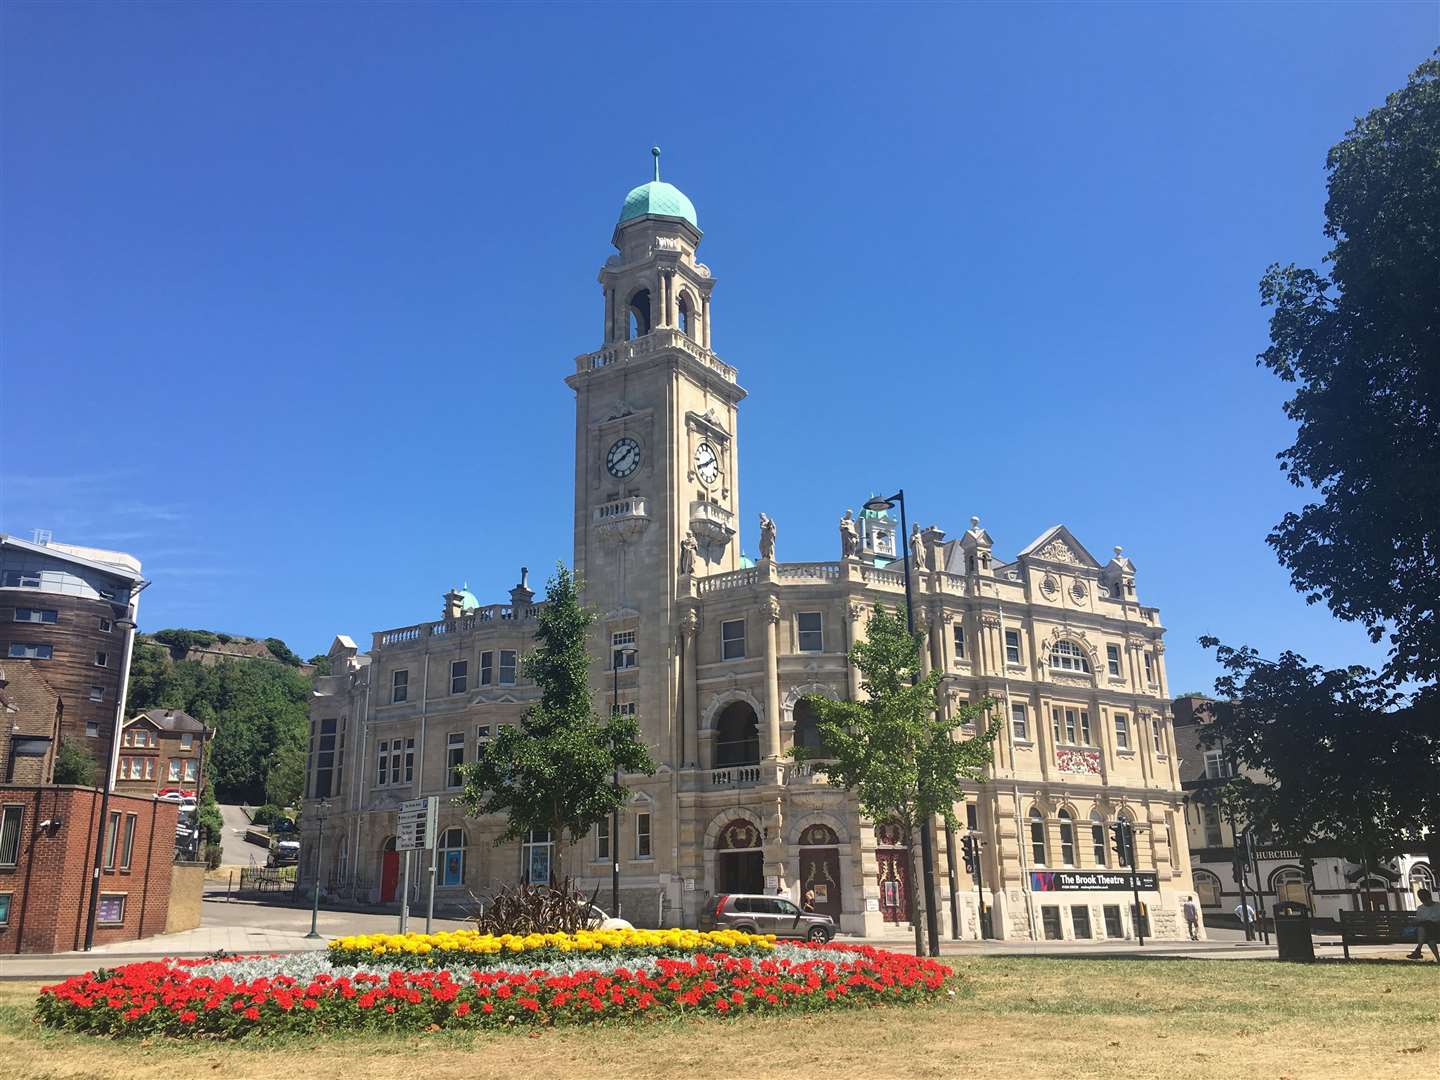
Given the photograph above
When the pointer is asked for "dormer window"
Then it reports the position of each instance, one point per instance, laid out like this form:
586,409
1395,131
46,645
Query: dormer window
1067,656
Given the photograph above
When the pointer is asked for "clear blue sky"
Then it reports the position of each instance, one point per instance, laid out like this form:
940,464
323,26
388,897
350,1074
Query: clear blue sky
289,290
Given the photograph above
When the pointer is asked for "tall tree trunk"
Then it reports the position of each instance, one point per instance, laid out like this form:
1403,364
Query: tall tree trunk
915,920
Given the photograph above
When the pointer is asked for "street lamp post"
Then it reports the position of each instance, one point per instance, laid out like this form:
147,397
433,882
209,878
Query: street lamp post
315,897
619,657
927,848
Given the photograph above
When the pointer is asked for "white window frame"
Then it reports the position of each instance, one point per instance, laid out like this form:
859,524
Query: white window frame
97,693
11,812
1039,849
174,776
644,838
187,742
728,639
958,638
104,625
1112,660
408,757
460,679
602,840
31,650
1217,765
127,842
102,658
1013,653
382,767
1019,722
454,741
1149,668
487,668
399,686
508,672
1099,839
30,614
1122,731
1157,733
1065,655
1067,837
620,658
817,634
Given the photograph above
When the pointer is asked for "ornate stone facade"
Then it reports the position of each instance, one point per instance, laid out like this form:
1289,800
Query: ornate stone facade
726,654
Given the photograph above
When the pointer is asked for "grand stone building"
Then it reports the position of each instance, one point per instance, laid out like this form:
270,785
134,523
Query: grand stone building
725,650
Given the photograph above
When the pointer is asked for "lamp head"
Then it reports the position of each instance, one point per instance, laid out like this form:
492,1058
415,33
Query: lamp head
877,504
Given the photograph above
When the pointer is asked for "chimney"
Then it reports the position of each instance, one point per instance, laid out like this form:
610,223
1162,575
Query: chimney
453,601
522,595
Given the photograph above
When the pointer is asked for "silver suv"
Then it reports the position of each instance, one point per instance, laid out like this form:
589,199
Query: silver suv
766,915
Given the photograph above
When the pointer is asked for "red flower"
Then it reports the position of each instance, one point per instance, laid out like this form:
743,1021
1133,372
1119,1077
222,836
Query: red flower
252,1013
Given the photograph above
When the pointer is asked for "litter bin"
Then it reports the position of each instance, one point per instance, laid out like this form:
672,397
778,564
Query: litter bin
1292,932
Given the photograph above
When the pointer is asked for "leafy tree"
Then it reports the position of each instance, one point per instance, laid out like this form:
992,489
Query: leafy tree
1362,347
285,777
75,765
555,770
893,750
281,651
184,640
1335,755
321,663
211,823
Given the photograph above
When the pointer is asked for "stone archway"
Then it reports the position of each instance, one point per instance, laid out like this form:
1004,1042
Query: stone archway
740,857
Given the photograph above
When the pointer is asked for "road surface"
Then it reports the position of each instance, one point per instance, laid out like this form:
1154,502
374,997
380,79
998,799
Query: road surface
234,850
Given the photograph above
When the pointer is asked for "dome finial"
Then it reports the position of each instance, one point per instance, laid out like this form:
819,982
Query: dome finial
655,153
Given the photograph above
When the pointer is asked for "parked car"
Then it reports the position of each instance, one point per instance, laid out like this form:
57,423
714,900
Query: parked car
758,914
283,825
283,853
599,920
175,794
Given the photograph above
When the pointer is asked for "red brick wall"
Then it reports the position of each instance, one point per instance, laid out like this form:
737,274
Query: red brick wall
50,885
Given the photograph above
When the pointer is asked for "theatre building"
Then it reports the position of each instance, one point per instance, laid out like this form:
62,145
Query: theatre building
716,654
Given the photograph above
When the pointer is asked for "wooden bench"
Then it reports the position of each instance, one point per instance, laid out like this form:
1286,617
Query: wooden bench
1376,928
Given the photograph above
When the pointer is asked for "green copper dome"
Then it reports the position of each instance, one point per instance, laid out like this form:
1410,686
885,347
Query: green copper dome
658,197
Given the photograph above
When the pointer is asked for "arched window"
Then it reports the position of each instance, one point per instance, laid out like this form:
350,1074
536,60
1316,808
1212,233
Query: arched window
1099,844
737,736
1288,883
807,726
1067,656
1207,888
1037,837
639,315
1067,838
451,857
818,836
1421,878
684,315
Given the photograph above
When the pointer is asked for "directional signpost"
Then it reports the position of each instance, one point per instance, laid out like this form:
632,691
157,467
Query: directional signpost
416,832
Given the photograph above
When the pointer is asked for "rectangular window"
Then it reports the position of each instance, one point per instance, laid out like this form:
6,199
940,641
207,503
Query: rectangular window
1080,920
1112,659
112,836
149,768
10,818
187,743
191,769
22,579
382,767
972,817
482,733
104,625
642,836
110,909
97,693
409,760
1214,836
20,650
959,641
1012,646
1157,734
102,659
92,729
602,840
1149,669
459,675
174,769
732,640
399,686
507,667
396,756
40,615
454,758
1217,766
487,669
811,631
1019,723
622,650
1122,731
1050,915
326,773
626,708
1085,728
4,909
1113,927
127,845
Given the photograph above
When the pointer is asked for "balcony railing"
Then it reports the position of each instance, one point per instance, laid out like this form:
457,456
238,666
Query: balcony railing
622,352
492,613
735,776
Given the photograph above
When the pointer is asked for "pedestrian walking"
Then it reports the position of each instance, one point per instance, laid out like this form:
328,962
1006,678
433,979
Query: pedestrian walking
1427,918
1191,911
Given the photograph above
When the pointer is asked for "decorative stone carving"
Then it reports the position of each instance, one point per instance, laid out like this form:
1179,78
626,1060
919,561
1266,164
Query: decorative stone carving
1159,648
856,610
767,537
989,620
849,538
1058,551
1078,592
1049,586
772,610
688,551
918,557
690,625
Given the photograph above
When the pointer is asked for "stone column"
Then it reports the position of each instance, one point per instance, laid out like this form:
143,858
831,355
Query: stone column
772,679
609,316
689,642
854,610
705,319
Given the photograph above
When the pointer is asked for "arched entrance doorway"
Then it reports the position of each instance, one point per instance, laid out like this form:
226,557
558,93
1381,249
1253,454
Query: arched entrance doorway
820,869
739,862
389,871
892,863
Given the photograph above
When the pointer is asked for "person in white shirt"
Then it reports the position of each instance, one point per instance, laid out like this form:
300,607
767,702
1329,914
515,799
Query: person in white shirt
1427,918
1245,913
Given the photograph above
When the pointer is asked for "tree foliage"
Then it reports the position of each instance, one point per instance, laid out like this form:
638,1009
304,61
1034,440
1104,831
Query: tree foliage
282,652
75,765
555,769
1362,347
1335,754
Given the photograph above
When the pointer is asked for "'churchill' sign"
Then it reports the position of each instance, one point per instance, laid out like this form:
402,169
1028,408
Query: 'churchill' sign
1092,881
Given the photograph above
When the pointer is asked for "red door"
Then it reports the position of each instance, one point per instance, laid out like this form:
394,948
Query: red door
893,865
389,876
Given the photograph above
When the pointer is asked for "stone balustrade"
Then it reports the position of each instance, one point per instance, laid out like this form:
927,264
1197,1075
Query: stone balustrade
477,619
622,352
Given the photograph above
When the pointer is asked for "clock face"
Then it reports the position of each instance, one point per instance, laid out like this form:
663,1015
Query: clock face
623,458
707,465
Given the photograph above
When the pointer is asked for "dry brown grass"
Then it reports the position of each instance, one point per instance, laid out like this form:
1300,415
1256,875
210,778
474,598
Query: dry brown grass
1025,1018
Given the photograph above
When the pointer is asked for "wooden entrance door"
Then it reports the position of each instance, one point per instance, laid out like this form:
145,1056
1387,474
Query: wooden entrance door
893,865
389,876
820,873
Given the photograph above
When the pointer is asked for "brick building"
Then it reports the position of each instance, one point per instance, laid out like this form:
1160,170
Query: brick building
161,750
47,837
30,716
66,610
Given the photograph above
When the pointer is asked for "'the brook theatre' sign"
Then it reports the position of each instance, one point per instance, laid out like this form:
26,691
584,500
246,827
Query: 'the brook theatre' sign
1092,881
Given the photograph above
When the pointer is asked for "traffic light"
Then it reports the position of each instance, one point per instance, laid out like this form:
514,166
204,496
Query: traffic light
972,854
1123,842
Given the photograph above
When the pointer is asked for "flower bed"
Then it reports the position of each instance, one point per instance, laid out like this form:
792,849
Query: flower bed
470,948
206,998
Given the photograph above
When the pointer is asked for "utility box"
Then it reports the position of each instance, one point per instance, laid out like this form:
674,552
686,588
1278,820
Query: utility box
1292,932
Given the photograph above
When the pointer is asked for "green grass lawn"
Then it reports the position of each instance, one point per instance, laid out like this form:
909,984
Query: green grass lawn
1016,1017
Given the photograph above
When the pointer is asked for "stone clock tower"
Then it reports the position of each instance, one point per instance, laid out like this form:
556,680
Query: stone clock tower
656,472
